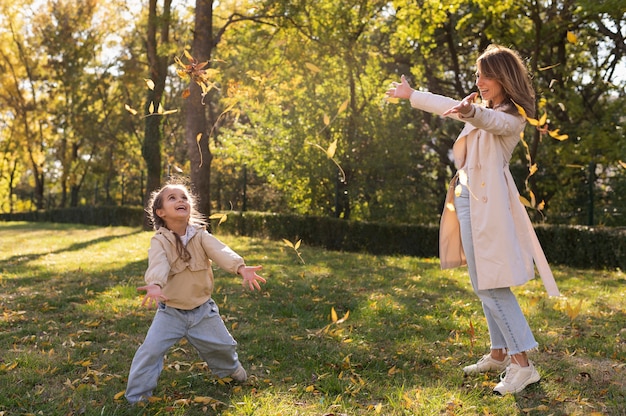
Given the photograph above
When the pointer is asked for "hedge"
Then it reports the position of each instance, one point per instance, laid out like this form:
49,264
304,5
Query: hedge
574,246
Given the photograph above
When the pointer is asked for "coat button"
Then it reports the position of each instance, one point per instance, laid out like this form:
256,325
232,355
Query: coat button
484,199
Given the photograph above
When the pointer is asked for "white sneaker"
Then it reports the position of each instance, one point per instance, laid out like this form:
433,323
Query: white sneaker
487,364
239,375
517,378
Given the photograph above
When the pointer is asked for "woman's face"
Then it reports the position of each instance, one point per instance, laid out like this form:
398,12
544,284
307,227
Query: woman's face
490,89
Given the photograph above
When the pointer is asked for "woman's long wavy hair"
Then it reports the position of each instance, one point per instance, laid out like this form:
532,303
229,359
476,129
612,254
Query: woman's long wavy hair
507,67
156,202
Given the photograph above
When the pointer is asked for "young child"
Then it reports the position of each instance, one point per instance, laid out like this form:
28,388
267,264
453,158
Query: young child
180,282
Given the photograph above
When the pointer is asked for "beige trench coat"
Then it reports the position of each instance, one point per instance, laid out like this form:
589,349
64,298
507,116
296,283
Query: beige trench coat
505,243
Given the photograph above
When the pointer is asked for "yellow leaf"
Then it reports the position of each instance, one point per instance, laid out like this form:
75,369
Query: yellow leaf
520,109
332,148
573,311
119,395
151,108
333,314
309,389
160,109
450,207
149,83
343,319
532,121
543,119
571,37
186,93
326,120
462,177
457,190
343,106
525,202
378,408
533,169
130,109
541,205
297,245
288,243
203,400
533,201
312,67
198,137
622,164
555,135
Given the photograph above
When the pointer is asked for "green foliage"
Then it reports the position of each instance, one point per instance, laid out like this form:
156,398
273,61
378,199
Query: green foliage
573,246
279,73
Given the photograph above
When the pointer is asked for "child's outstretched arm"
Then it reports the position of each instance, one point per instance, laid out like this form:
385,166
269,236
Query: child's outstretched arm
153,295
250,277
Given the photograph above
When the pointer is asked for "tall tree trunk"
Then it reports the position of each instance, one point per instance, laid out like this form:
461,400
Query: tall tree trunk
196,114
151,149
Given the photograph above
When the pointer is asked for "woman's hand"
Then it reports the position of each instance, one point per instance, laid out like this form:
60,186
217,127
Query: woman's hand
153,295
250,278
465,107
400,90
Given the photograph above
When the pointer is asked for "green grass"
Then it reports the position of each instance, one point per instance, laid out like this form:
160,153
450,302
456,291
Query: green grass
72,320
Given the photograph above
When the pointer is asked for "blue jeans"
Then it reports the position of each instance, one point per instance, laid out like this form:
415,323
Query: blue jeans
507,325
205,330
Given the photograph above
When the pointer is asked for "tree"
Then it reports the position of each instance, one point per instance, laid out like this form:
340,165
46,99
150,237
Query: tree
156,42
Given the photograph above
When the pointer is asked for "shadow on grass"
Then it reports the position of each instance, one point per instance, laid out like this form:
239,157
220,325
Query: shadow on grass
407,330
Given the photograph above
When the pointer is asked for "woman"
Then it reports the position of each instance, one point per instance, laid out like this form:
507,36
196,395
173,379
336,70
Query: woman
484,224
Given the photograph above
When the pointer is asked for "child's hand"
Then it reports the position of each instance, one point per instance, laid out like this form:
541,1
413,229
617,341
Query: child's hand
153,295
250,278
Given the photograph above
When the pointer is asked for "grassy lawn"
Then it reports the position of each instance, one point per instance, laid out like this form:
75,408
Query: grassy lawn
72,320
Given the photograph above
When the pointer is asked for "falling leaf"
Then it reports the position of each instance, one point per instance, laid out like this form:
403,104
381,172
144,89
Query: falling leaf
525,202
288,243
312,67
532,121
343,106
556,135
149,83
186,93
221,217
520,109
462,177
151,108
622,164
573,311
326,120
571,37
332,148
333,314
130,109
543,119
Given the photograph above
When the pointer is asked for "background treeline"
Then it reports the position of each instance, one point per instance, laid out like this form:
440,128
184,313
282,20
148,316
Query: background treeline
289,81
574,246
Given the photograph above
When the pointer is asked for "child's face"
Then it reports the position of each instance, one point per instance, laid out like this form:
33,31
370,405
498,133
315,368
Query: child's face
175,205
